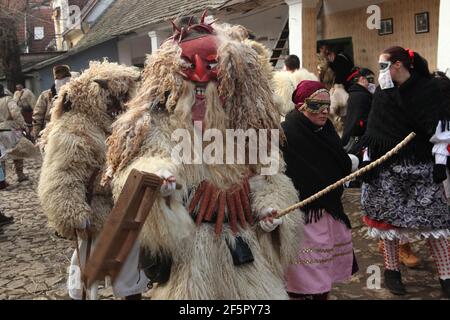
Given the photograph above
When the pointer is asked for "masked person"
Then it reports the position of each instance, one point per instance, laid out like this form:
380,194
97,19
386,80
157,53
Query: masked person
42,110
216,237
75,149
404,199
314,153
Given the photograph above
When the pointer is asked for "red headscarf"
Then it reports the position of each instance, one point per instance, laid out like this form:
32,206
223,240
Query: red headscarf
305,90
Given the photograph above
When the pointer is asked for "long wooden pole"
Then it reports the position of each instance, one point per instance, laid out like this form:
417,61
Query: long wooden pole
351,177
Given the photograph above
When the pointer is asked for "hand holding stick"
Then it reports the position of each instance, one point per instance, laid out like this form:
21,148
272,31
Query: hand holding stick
351,177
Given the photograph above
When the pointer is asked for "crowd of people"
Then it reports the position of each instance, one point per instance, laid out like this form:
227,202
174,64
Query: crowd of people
333,123
403,200
22,116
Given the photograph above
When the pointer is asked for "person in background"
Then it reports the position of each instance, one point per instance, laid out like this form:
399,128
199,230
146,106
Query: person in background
285,82
11,122
325,73
26,101
292,63
358,107
404,198
42,110
4,220
342,66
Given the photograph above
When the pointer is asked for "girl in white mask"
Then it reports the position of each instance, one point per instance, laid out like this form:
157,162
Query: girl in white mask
385,78
404,199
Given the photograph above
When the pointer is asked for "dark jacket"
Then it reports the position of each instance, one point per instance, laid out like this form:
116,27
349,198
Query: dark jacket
315,160
358,109
342,67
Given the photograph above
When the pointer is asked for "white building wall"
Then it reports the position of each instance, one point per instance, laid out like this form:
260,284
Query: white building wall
133,51
124,49
266,25
444,37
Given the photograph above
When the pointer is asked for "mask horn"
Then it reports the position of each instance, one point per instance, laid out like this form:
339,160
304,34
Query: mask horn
175,28
204,15
102,83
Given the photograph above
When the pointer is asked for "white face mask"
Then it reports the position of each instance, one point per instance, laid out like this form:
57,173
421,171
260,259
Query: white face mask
61,82
385,78
372,88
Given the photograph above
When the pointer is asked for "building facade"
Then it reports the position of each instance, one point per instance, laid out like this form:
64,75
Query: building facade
421,25
35,30
125,31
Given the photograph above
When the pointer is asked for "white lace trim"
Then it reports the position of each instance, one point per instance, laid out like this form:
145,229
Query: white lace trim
407,235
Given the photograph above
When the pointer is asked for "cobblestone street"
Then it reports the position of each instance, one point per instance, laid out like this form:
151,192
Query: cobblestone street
33,262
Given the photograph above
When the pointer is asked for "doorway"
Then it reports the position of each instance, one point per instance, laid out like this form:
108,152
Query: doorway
342,45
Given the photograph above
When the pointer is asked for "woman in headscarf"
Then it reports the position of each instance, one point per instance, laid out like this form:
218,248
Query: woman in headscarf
315,159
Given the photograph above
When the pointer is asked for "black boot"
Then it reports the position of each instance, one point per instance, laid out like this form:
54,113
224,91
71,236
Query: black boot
393,281
3,185
445,284
4,220
135,297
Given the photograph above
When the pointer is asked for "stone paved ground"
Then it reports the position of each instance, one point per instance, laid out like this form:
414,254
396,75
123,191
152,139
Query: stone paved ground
33,262
421,283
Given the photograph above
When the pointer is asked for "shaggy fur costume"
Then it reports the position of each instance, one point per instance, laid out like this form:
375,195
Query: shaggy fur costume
326,74
75,147
285,84
338,108
202,264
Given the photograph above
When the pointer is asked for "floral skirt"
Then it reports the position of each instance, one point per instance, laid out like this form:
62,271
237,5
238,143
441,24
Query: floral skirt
404,200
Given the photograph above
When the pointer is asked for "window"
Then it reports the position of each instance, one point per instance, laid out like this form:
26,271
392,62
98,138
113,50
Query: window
39,33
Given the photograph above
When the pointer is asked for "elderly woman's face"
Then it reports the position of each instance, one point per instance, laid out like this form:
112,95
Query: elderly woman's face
319,119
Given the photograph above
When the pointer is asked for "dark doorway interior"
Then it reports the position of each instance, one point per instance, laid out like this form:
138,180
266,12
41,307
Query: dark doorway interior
344,45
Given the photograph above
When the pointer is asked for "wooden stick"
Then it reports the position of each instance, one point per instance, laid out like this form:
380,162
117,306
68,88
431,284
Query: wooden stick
351,177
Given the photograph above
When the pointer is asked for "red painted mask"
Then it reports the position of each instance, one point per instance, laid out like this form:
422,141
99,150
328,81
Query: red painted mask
201,54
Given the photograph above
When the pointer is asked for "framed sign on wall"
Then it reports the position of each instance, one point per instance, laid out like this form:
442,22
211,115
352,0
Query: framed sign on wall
423,22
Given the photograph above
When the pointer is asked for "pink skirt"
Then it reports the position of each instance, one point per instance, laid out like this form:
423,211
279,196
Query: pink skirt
326,257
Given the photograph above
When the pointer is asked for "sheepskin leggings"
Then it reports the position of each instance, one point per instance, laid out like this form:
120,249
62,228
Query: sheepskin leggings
439,249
